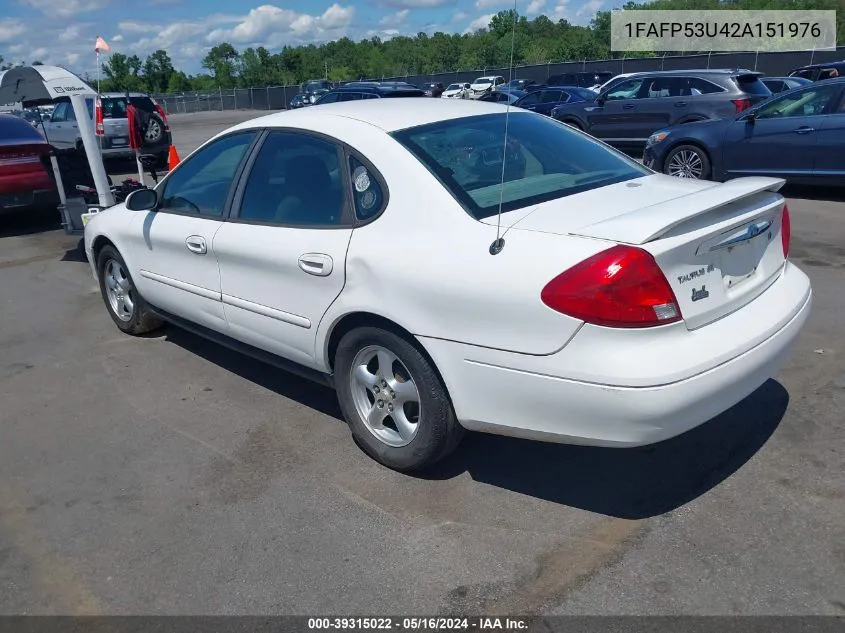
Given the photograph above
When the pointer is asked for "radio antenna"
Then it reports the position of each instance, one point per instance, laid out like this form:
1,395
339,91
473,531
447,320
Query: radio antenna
497,246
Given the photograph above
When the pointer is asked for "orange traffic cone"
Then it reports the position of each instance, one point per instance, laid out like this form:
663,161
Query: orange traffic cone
172,158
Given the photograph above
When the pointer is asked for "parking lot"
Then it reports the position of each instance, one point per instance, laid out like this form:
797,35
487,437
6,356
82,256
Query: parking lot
167,475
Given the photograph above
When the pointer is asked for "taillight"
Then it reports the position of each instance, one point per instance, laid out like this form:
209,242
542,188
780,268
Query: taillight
620,287
785,231
741,104
162,114
99,130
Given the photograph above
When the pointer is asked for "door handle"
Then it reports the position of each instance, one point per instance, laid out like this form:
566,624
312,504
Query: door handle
317,264
628,106
681,104
196,244
804,130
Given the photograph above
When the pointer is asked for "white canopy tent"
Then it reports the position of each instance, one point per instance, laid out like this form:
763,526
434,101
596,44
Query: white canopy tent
42,85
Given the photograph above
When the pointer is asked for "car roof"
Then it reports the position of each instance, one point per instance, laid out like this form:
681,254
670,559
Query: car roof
827,65
115,95
389,115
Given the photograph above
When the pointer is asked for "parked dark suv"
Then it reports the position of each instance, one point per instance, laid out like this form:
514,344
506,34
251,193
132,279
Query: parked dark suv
370,90
818,72
628,112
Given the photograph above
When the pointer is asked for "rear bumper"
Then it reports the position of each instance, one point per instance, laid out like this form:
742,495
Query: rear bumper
538,397
14,202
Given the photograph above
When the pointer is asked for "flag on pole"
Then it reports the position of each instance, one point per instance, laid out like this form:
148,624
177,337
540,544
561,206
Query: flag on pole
101,45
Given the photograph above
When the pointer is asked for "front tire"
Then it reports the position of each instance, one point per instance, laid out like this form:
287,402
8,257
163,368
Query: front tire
394,401
687,161
124,303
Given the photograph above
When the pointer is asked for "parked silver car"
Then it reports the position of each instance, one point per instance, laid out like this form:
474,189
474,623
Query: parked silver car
62,131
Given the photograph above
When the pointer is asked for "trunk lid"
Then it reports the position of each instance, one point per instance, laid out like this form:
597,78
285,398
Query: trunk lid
717,244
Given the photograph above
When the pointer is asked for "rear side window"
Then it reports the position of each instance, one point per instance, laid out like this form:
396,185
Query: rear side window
697,85
752,85
807,73
366,190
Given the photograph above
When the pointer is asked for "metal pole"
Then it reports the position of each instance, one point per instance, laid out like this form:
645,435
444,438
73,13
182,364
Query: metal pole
267,88
95,158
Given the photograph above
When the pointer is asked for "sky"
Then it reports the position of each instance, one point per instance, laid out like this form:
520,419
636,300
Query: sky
63,32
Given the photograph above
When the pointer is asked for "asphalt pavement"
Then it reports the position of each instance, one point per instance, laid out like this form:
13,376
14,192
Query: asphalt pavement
166,475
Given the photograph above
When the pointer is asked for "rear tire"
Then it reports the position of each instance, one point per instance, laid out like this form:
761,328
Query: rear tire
394,401
687,161
125,305
574,124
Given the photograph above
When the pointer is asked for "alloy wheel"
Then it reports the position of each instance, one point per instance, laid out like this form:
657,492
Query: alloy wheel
385,395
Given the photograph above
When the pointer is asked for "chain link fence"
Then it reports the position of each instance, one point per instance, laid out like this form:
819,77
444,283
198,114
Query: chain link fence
278,97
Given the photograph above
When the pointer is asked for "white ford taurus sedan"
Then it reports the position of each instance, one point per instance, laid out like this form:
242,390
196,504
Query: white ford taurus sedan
358,243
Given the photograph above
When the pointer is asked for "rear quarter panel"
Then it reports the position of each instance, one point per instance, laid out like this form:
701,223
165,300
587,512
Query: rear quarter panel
425,264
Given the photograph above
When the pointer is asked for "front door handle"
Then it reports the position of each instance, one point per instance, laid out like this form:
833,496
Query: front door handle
196,244
317,264
681,104
804,130
628,106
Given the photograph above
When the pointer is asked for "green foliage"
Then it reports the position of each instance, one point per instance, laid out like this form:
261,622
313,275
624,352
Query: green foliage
533,41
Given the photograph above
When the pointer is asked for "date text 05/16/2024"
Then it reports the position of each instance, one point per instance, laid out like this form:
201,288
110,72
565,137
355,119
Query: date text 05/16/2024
353,624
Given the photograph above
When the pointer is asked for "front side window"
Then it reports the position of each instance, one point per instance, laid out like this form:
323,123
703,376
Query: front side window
544,160
625,90
201,184
295,180
532,98
810,102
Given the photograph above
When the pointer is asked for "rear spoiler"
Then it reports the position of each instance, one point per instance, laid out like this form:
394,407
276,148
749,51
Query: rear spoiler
649,223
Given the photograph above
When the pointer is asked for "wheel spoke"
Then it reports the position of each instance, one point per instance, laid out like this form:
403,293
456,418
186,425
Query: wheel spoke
404,426
111,283
128,304
376,416
385,363
364,377
405,391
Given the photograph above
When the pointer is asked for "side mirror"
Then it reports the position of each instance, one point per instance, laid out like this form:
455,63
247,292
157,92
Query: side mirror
600,99
751,117
142,200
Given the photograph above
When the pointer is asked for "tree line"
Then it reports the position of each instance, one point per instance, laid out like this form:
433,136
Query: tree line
534,41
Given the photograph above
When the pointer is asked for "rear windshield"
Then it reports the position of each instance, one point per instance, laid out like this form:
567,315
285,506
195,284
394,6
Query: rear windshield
584,93
752,85
546,160
115,107
14,129
402,93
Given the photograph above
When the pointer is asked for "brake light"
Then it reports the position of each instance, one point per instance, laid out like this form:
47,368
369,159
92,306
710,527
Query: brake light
620,287
741,104
99,130
162,114
785,231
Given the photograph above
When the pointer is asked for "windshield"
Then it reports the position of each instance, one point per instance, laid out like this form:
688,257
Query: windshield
484,80
545,160
454,87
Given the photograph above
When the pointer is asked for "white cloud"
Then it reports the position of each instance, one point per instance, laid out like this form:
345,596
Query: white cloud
460,16
66,8
415,4
11,29
478,23
486,4
117,38
590,8
394,19
535,7
275,26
